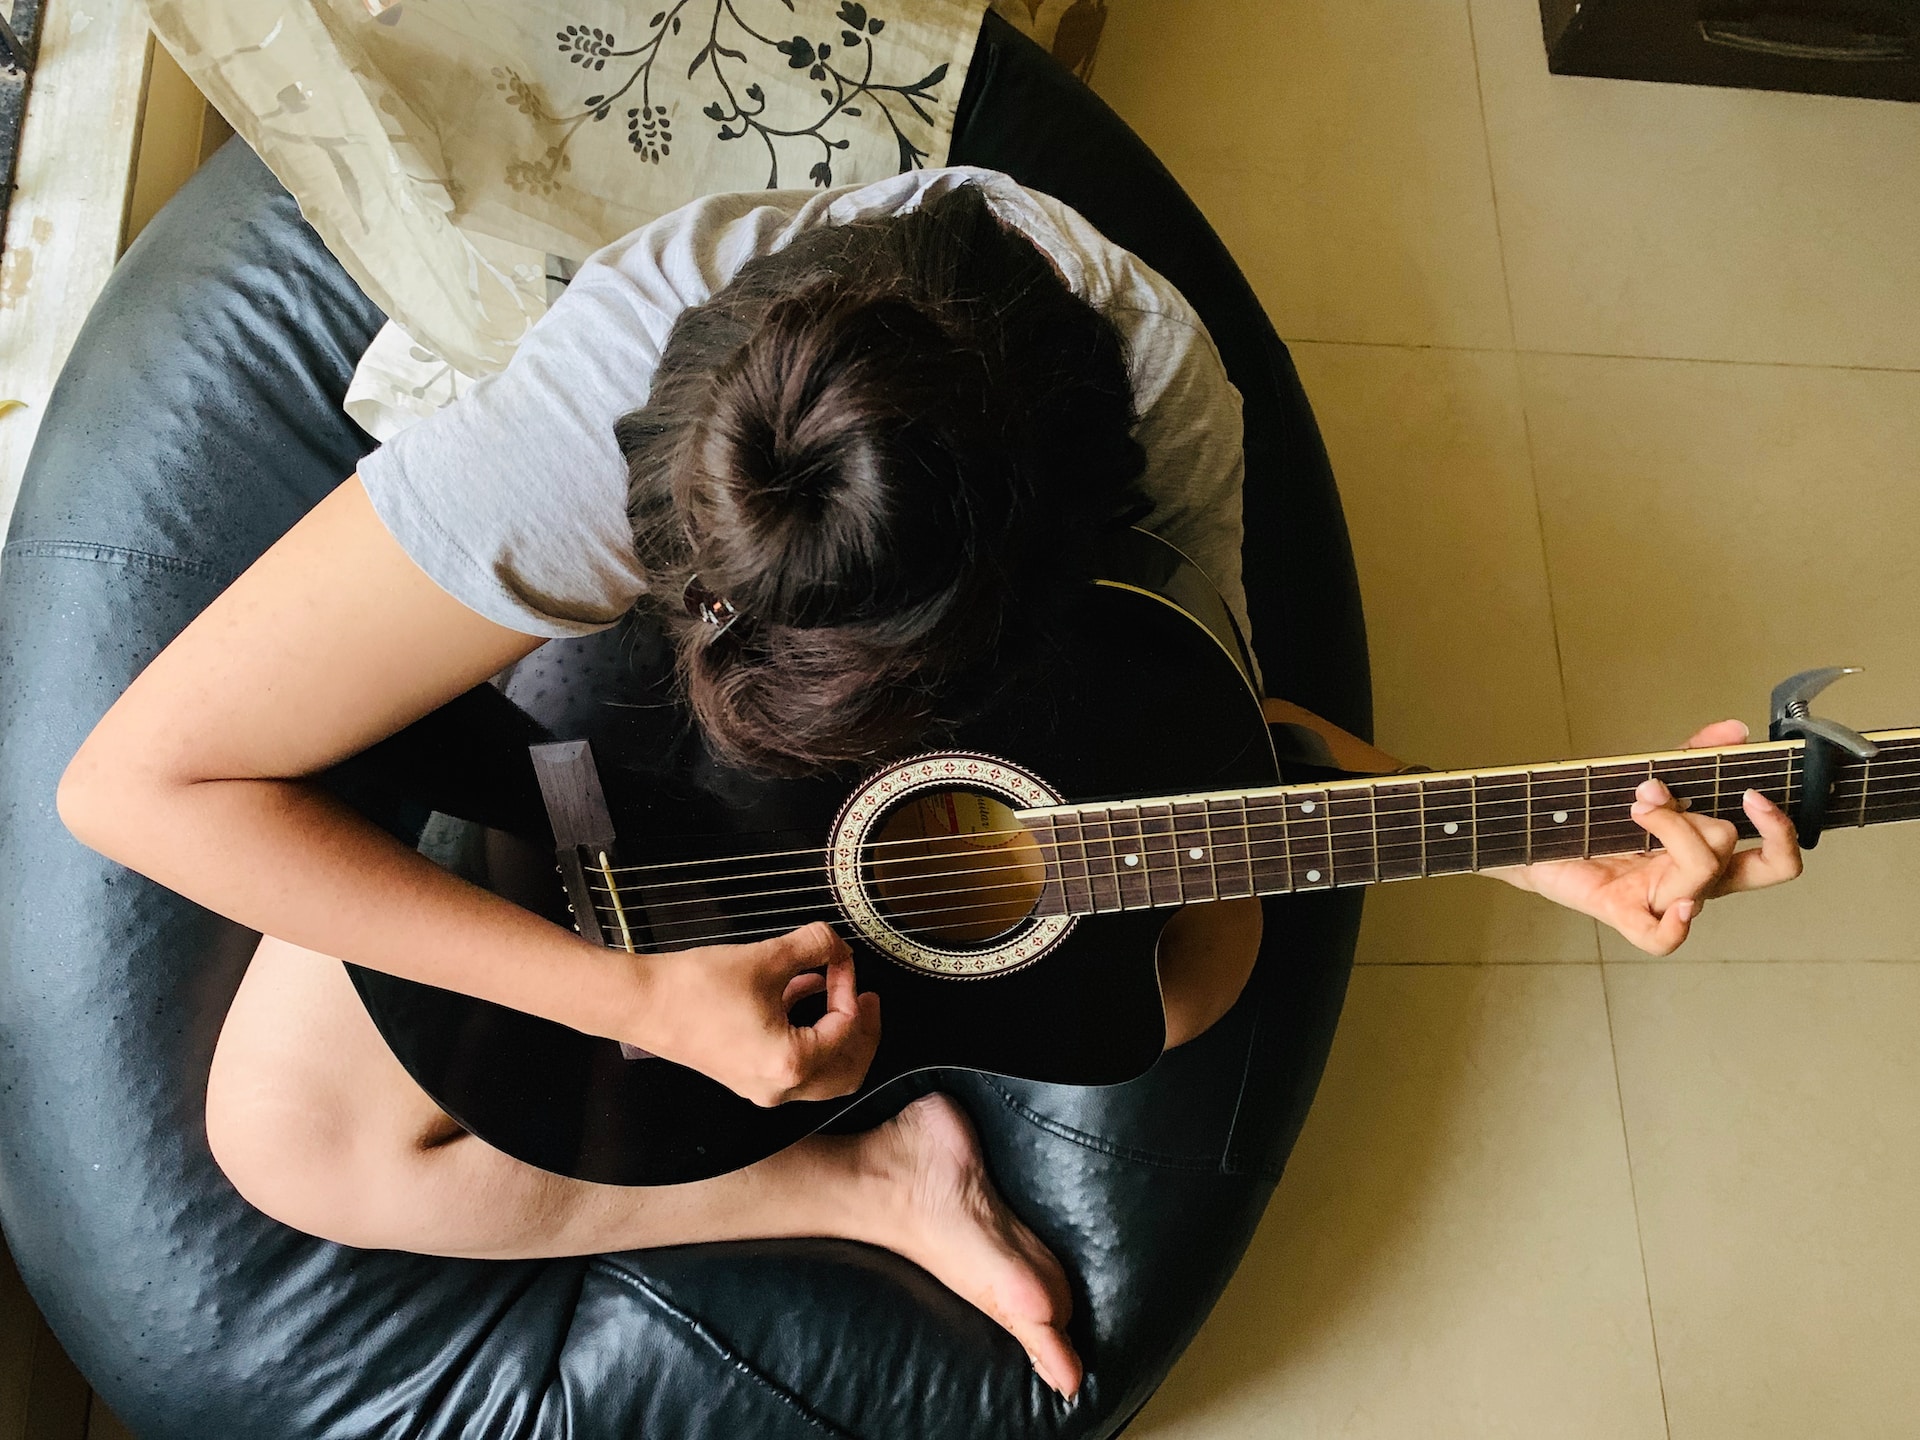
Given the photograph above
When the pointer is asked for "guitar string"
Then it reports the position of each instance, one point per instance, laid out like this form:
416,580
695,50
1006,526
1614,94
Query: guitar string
1675,771
951,912
1127,809
1180,874
836,918
1365,828
976,872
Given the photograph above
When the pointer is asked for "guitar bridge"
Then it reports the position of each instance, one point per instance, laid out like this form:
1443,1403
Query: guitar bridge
583,837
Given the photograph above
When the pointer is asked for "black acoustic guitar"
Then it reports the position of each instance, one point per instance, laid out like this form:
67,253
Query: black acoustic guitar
1005,895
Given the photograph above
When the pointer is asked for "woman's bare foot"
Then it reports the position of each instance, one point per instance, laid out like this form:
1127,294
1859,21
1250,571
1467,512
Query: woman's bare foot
947,1218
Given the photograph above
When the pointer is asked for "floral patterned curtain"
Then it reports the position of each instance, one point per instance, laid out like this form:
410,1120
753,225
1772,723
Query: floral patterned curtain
449,151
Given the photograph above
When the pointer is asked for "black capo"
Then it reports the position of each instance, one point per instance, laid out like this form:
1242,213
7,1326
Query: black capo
1829,743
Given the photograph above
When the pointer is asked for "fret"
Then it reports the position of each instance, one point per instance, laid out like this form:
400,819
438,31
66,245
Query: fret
1397,810
1448,825
1053,893
1309,840
1691,779
1500,819
1096,837
1557,815
1586,812
1648,842
1157,854
1897,779
1193,852
1130,867
1610,826
1844,808
1267,845
1232,848
1350,826
1070,864
1765,771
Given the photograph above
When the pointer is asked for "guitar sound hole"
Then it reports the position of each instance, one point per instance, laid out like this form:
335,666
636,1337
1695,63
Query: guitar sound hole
954,867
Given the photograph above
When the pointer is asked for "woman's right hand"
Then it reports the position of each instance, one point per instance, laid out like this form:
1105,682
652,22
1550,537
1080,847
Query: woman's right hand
724,1010
198,777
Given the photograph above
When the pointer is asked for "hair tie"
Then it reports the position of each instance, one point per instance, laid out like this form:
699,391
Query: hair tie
709,608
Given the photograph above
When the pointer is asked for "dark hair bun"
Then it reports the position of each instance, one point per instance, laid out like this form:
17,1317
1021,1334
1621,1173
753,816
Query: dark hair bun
889,446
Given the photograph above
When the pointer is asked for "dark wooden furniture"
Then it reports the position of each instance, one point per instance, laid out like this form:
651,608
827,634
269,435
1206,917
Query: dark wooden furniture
1864,48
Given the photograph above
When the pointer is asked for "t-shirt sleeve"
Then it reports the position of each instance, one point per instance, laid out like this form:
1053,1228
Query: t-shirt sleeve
1190,428
513,499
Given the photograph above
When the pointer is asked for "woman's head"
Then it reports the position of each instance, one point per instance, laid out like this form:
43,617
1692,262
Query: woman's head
889,447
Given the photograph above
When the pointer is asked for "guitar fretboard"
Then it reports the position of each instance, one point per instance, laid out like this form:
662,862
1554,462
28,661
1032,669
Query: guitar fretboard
1175,850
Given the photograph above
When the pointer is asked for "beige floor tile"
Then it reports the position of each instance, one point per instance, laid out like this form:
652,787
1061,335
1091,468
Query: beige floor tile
103,1424
1467,919
1773,1119
1710,529
1430,449
1452,1252
1686,220
1336,145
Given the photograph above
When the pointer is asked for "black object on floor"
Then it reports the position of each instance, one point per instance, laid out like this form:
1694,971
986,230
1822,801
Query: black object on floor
1864,48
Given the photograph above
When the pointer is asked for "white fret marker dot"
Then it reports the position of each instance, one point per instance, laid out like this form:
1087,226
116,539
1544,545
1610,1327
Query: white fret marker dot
1313,877
1559,817
1132,859
1195,853
1451,827
1306,807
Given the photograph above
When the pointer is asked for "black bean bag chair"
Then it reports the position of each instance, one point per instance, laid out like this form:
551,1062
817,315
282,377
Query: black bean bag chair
197,419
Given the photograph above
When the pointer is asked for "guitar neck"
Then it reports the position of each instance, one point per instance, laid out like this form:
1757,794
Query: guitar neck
1178,849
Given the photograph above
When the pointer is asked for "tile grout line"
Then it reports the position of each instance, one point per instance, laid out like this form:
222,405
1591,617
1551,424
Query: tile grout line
1520,394
1602,355
1633,1193
1722,360
1493,185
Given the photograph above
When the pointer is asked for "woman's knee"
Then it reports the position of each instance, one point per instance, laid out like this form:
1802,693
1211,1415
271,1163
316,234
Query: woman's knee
279,1150
308,1114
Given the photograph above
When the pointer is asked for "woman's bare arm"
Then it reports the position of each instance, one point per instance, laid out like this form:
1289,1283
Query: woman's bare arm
333,640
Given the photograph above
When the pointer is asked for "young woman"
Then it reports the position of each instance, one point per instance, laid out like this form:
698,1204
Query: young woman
874,432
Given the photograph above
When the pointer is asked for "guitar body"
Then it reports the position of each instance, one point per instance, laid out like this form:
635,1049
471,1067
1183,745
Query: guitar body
1154,697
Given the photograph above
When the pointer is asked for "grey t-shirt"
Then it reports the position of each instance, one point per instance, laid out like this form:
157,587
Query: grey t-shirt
513,498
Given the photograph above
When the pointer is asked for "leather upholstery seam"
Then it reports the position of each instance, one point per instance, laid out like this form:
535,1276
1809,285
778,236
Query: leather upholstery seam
713,1342
1194,1164
105,555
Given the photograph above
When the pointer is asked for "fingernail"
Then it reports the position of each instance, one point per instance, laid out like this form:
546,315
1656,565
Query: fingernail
1763,799
1687,909
1644,807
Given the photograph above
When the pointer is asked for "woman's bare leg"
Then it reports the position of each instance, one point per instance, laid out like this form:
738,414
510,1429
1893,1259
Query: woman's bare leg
1206,954
318,1125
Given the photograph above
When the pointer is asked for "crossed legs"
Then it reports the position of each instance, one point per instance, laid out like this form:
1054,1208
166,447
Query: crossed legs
317,1125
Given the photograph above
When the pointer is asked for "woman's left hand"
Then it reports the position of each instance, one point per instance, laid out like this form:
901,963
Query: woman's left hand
1652,899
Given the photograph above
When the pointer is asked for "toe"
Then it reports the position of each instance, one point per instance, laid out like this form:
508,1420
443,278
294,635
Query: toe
1054,1358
